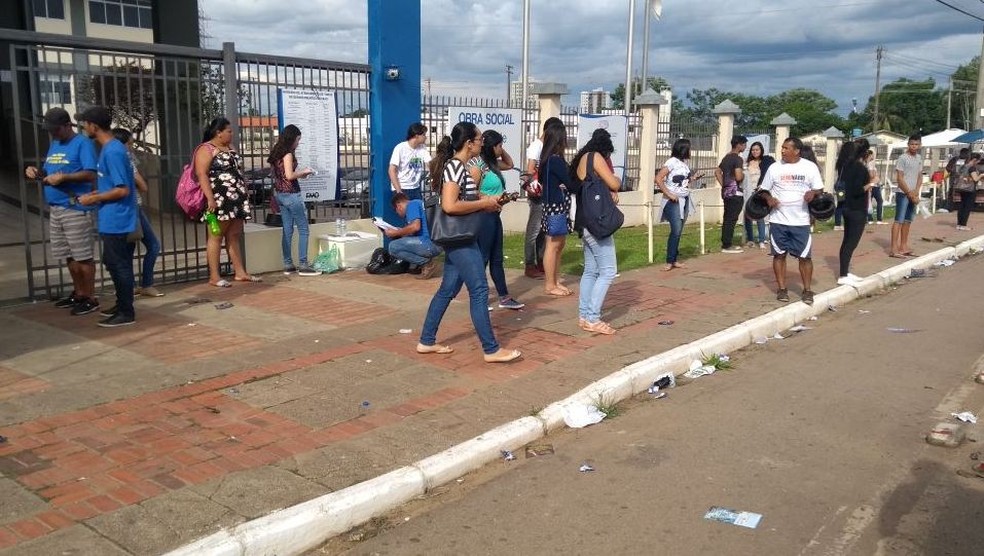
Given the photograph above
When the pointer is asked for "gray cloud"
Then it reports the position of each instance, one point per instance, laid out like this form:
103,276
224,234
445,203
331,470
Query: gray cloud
755,46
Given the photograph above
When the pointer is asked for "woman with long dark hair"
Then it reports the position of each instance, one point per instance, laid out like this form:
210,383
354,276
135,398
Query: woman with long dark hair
673,180
489,165
554,175
753,175
600,263
287,191
854,175
463,264
219,170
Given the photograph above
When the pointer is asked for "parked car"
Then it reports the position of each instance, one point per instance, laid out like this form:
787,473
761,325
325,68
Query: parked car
259,181
354,183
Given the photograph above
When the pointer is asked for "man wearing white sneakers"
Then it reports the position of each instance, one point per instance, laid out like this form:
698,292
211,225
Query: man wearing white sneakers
790,186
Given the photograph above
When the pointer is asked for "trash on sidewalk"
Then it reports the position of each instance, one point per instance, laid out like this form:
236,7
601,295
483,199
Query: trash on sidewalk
406,330
778,336
945,263
665,323
224,305
507,455
864,312
697,370
948,435
898,330
537,450
585,468
233,390
965,416
733,517
580,416
917,273
662,383
761,340
814,317
831,308
799,328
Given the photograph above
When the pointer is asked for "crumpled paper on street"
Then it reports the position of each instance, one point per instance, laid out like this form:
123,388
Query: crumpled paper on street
580,416
965,416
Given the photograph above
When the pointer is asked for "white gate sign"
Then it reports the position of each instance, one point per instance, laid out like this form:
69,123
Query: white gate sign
617,126
508,122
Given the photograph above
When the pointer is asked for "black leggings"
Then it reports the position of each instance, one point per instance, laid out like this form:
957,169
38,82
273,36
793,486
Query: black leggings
732,209
966,205
854,220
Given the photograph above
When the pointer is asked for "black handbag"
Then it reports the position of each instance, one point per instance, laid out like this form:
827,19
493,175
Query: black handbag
449,230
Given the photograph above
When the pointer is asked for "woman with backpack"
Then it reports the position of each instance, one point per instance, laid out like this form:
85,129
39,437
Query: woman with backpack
554,175
591,165
463,263
220,176
673,180
288,194
488,167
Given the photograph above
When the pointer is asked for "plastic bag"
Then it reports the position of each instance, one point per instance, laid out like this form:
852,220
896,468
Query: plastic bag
329,261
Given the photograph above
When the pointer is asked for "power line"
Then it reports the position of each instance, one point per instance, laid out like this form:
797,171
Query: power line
952,7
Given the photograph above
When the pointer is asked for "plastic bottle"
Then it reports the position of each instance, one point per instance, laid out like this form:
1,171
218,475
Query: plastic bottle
341,227
213,223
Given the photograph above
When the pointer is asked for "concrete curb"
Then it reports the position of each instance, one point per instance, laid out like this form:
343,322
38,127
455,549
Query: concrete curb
304,526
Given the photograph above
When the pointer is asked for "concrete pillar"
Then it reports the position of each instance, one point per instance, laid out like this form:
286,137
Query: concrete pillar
648,103
782,123
394,103
548,97
834,140
725,112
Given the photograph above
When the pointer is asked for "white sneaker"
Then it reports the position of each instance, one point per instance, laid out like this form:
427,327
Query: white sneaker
838,228
854,277
733,249
846,281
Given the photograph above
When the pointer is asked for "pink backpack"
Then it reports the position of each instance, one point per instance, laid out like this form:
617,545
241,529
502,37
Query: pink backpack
189,195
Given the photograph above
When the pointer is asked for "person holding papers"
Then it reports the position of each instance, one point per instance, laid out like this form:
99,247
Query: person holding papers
412,242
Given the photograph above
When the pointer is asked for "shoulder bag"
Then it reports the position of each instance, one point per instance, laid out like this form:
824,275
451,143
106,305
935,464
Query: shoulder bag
554,214
449,230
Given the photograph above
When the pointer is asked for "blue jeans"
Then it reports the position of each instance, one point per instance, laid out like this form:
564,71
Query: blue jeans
600,268
412,193
462,266
117,256
490,243
293,213
905,211
876,195
413,249
153,249
749,236
671,213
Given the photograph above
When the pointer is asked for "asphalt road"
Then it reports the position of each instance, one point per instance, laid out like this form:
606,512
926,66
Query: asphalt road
822,433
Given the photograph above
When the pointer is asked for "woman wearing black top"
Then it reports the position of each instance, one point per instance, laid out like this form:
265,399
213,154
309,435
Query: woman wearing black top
854,174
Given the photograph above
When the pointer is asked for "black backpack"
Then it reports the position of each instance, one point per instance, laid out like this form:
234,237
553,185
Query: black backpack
601,217
379,261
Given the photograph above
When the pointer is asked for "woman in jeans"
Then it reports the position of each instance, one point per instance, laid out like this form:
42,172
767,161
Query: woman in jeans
673,180
875,196
288,194
753,175
600,265
463,264
856,179
487,170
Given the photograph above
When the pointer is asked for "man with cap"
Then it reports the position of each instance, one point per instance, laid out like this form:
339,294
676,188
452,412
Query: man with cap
118,213
69,171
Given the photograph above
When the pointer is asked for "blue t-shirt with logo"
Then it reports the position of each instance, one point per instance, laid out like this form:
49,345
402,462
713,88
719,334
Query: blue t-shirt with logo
114,170
415,211
75,155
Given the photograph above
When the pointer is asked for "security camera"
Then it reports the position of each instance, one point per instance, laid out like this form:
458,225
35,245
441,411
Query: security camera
392,73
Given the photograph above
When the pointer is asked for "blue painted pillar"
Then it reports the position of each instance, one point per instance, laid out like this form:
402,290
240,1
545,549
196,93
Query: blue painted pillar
394,104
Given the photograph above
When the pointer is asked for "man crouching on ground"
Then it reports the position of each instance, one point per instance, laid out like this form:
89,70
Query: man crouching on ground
412,242
790,186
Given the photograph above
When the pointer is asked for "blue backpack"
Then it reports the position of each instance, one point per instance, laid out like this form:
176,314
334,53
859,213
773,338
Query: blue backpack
600,215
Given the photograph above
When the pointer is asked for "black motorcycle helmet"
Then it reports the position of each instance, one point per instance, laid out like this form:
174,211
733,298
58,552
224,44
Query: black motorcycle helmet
822,206
757,208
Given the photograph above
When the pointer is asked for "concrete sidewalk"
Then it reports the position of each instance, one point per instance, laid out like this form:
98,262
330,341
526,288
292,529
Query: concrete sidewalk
141,439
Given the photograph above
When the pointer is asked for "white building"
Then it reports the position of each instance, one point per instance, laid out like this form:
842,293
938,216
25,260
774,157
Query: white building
594,101
516,93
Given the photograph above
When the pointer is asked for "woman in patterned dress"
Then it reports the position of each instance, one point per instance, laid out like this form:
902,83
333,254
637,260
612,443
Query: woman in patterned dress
219,171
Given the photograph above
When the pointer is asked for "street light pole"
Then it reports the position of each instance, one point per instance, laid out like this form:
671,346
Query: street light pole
526,80
655,11
628,59
509,70
979,104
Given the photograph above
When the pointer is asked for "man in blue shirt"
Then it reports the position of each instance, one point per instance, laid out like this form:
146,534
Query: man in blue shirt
118,213
412,242
69,170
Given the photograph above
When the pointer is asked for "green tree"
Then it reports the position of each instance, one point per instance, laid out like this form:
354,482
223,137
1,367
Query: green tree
127,89
964,92
907,106
656,83
812,110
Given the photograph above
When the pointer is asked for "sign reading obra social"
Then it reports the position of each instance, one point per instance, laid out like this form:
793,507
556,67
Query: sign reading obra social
508,122
314,112
617,126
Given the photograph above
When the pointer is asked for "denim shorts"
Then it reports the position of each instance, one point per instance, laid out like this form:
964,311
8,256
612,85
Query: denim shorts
905,209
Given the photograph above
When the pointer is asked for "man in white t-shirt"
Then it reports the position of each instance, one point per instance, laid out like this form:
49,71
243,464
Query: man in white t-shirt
408,164
790,186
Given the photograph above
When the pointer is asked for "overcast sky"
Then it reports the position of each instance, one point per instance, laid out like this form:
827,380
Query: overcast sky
751,46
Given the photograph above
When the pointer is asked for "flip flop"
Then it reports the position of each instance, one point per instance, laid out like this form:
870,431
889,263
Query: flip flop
668,267
249,279
223,283
422,349
679,265
559,292
582,323
896,255
503,356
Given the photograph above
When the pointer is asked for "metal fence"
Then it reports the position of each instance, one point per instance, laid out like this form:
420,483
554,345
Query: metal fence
165,95
703,144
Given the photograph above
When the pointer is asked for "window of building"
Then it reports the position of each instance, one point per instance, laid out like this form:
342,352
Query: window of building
125,13
55,92
52,9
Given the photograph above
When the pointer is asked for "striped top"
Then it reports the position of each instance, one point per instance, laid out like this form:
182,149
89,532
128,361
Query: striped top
455,171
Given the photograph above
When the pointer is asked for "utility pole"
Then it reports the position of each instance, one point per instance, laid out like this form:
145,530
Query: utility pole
627,98
979,103
949,102
428,82
509,71
874,122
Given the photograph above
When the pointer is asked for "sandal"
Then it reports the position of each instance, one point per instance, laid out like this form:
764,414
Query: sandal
679,265
223,283
668,267
422,349
503,356
582,323
248,279
559,292
896,255
600,327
